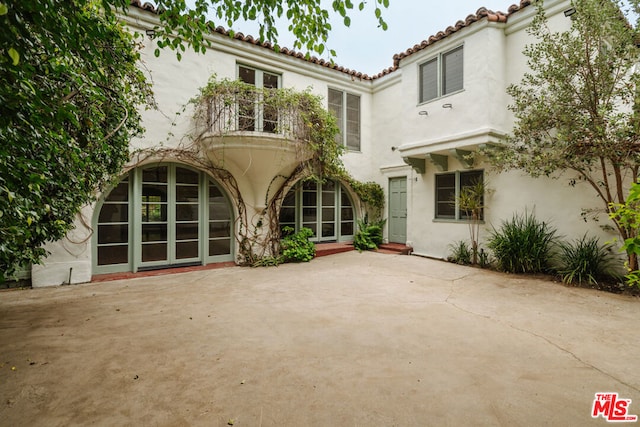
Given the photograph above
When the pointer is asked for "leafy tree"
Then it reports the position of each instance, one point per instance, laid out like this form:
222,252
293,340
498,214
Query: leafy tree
68,107
628,215
577,109
71,92
471,201
308,20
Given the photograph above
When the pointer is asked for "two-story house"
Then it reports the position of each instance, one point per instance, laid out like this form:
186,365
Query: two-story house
413,128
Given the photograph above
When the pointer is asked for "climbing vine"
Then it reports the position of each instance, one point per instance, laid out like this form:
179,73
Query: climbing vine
226,106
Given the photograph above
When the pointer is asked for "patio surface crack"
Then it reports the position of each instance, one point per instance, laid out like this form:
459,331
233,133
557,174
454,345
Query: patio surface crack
542,337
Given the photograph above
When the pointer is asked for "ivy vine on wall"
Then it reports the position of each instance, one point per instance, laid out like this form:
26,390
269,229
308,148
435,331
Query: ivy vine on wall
225,106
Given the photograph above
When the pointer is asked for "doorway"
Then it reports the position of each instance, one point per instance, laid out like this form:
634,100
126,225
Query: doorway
398,210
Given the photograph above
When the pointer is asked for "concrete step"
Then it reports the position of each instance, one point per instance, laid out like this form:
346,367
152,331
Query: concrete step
324,249
395,249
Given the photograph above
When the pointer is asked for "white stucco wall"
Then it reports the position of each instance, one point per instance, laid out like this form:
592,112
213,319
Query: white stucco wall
480,105
69,261
550,200
174,84
493,60
391,127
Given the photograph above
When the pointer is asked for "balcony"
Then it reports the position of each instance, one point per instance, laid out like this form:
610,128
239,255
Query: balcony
256,134
243,110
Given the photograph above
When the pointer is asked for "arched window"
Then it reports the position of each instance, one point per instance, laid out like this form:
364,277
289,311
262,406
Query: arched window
325,208
160,216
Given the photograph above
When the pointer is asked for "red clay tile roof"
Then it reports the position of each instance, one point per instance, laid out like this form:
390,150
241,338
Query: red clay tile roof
480,14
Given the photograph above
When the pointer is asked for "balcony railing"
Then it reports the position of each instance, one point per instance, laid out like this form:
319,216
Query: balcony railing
235,108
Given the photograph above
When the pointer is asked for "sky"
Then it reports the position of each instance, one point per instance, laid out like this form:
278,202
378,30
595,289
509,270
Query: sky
365,48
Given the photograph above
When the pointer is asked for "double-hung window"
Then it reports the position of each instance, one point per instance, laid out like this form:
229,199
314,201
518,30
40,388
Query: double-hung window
254,113
346,107
442,75
448,188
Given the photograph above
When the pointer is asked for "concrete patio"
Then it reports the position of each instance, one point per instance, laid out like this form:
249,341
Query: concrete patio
352,339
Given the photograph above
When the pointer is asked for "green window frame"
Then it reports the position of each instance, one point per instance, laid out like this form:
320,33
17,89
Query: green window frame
442,75
326,208
255,115
346,108
162,215
447,190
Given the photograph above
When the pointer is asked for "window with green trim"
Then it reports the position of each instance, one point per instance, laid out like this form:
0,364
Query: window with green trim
325,208
160,216
346,107
448,187
253,114
442,75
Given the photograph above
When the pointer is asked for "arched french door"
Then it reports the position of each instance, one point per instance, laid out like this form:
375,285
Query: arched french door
325,208
161,216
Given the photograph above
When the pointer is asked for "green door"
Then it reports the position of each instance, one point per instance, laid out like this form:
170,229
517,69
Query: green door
324,208
162,216
398,210
170,216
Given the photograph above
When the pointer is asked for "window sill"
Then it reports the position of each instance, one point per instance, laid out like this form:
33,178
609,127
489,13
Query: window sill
440,98
455,221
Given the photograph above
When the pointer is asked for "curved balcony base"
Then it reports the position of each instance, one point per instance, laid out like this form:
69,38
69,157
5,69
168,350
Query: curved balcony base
256,160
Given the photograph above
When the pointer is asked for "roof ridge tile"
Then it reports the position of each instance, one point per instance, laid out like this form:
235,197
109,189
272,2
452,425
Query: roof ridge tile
481,13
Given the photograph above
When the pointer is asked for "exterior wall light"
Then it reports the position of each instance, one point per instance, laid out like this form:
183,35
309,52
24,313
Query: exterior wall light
423,113
447,106
569,12
151,33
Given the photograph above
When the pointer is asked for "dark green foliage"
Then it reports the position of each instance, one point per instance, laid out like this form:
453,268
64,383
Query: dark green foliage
297,247
523,245
369,235
461,253
71,90
585,261
268,261
627,214
69,103
371,194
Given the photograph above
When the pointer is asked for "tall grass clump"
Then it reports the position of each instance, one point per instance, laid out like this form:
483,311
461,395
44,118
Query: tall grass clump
585,261
523,245
461,253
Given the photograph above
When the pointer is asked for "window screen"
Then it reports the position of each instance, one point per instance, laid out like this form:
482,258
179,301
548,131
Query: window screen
429,80
442,75
346,108
452,71
353,122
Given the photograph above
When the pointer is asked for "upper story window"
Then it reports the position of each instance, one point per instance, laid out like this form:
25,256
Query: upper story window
442,75
254,114
258,78
448,187
346,107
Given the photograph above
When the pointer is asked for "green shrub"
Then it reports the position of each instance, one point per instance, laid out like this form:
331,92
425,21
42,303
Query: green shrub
627,215
523,245
585,261
460,253
369,235
297,247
